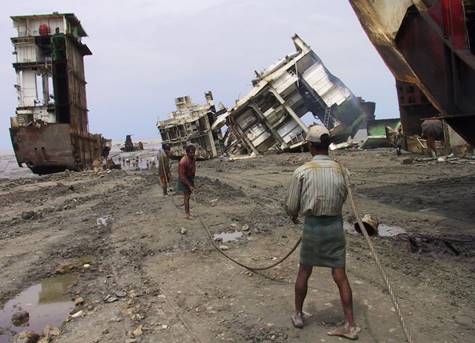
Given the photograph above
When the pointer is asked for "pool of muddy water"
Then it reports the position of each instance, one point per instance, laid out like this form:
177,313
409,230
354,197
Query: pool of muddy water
226,237
383,230
46,302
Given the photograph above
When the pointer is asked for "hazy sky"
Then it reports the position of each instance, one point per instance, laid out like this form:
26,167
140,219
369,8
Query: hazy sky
147,52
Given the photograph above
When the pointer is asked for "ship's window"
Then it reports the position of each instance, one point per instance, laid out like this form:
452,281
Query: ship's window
410,89
411,100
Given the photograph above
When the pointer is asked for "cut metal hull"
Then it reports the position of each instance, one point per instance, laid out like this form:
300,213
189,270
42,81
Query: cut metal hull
430,45
54,148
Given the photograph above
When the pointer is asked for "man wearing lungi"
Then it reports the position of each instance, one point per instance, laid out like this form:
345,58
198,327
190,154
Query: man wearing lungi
164,167
317,191
186,177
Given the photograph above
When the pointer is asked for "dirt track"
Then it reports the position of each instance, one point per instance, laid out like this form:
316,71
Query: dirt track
180,290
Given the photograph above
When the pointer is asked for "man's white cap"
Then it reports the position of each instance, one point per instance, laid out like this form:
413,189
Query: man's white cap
315,132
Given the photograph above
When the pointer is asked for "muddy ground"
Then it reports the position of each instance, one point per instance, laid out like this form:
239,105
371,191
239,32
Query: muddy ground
163,282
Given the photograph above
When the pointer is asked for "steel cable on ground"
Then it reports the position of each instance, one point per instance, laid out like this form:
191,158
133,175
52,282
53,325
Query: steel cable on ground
391,292
208,233
251,268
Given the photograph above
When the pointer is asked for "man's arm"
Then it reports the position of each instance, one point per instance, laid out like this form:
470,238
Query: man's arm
292,205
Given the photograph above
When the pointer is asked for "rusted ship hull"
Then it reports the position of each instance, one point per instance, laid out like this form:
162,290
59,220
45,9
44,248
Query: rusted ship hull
54,148
428,44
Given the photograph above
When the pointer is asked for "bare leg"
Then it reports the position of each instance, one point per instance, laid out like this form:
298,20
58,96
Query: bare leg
346,295
301,286
165,189
187,204
349,330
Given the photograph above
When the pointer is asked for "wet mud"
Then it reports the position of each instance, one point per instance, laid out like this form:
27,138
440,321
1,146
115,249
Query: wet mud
147,274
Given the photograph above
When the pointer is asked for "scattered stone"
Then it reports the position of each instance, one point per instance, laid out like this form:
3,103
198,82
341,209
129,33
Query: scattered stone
138,331
120,294
78,301
104,221
183,231
407,161
77,314
27,337
86,265
51,331
28,215
110,298
65,267
20,318
105,331
245,227
223,247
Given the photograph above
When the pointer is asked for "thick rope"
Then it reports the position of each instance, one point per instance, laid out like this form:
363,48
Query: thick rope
394,300
251,268
391,292
242,264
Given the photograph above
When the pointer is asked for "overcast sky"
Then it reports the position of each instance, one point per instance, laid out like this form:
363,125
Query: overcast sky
147,52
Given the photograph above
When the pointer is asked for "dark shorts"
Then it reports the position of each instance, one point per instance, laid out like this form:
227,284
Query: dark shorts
323,242
182,188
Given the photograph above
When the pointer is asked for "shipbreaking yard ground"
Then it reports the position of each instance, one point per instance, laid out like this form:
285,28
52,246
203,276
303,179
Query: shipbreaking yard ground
178,289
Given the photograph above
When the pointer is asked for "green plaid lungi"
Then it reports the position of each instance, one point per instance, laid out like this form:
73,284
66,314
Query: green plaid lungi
323,242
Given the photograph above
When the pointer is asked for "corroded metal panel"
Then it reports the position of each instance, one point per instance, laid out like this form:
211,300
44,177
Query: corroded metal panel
48,146
427,43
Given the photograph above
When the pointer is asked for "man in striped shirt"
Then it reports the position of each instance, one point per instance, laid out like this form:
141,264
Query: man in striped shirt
318,191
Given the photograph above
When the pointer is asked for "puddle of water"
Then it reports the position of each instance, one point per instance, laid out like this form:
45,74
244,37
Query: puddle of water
227,236
390,231
383,230
47,303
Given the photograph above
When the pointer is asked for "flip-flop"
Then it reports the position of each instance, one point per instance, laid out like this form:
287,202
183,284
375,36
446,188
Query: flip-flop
342,332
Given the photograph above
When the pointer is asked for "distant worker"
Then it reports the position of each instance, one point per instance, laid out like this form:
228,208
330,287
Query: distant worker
398,141
186,177
317,191
432,130
164,167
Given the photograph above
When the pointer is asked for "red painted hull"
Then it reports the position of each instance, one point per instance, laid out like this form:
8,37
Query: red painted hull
430,45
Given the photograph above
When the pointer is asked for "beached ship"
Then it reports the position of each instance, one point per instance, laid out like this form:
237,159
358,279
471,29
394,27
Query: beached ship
429,46
192,124
271,115
50,131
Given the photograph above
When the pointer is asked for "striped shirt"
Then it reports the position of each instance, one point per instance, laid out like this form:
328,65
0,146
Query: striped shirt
317,188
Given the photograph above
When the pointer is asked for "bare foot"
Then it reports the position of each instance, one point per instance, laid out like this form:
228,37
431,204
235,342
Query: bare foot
297,320
189,217
345,331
